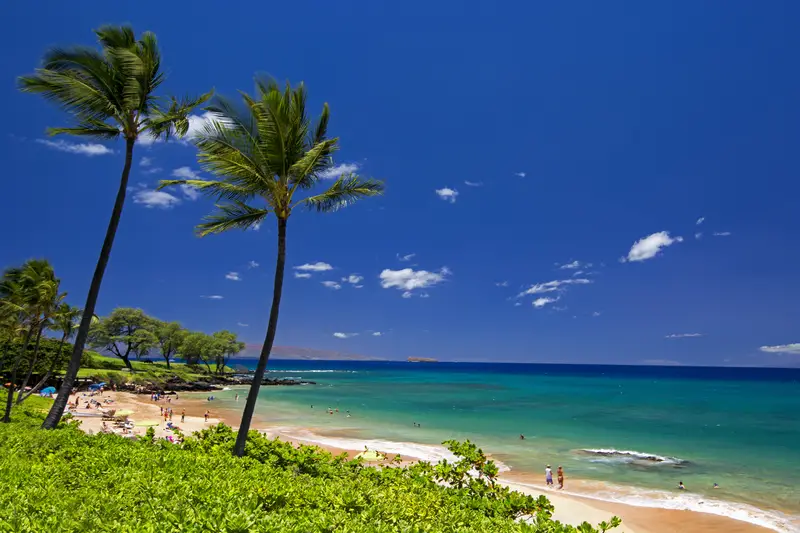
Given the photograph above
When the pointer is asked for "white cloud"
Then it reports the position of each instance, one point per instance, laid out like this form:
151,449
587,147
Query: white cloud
256,226
424,295
333,173
319,266
153,170
376,334
541,302
520,174
353,279
407,294
212,297
698,235
160,199
551,286
473,183
197,124
90,149
340,335
447,194
145,162
190,192
648,247
358,286
517,304
574,264
407,257
793,348
242,325
722,234
683,335
701,220
577,273
233,276
596,313
185,173
408,279
501,283
331,285
302,275
252,264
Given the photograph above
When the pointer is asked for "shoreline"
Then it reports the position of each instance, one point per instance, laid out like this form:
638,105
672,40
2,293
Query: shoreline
571,507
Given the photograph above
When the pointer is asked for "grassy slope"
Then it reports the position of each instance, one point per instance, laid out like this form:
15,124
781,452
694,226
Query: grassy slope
63,480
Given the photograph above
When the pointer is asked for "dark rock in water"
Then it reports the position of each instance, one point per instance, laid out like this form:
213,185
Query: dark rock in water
635,458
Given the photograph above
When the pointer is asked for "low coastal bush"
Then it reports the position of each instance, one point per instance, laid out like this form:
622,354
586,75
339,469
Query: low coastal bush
64,480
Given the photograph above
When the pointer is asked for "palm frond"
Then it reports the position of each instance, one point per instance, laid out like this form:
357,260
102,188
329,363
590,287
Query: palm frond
322,125
345,191
116,36
174,120
90,128
318,158
236,215
71,91
221,190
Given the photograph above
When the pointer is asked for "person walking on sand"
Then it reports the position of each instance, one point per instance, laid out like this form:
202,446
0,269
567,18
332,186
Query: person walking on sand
183,416
206,415
560,476
548,476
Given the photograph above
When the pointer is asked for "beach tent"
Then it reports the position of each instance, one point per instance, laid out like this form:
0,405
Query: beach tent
47,391
96,386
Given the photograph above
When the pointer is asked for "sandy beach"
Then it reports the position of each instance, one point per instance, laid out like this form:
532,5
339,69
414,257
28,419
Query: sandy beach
569,508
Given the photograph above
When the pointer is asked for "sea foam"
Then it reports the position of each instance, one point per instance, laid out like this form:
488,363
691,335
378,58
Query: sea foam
633,456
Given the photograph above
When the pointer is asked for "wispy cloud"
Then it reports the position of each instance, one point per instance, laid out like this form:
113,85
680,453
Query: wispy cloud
407,257
252,264
574,265
377,334
336,171
683,335
302,275
89,149
698,235
551,286
241,325
538,303
340,335
596,313
520,174
353,279
211,297
319,266
501,283
331,285
793,348
159,199
233,276
145,162
648,247
473,183
447,194
722,234
255,227
408,279
700,220
197,123
187,173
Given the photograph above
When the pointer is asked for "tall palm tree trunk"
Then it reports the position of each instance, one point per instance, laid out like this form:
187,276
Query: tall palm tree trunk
13,380
54,416
266,349
30,367
53,366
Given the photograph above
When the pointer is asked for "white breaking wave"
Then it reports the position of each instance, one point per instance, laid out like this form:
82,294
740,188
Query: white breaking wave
631,455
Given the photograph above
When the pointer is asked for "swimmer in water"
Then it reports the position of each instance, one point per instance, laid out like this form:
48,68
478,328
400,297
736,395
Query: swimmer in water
716,486
681,486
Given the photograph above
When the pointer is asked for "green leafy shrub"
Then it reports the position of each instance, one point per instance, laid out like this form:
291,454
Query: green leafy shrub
64,480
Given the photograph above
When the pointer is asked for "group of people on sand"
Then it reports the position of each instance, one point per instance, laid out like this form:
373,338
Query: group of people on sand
548,476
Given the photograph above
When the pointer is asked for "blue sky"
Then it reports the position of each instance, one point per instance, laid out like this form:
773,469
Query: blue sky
582,129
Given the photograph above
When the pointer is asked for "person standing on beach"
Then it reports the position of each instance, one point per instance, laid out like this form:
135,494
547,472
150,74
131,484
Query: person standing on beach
560,475
183,416
548,476
206,415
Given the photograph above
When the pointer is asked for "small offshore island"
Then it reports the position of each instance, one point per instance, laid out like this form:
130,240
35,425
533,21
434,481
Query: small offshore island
422,360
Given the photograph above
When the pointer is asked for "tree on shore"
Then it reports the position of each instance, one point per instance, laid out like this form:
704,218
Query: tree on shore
110,94
125,332
229,346
266,153
170,337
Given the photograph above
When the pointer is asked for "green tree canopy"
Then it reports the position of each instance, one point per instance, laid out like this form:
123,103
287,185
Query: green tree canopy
125,332
170,338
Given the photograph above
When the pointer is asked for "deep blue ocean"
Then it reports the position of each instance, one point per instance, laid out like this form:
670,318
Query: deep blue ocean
627,433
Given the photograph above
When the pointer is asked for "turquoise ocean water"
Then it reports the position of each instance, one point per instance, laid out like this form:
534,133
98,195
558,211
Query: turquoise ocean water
632,432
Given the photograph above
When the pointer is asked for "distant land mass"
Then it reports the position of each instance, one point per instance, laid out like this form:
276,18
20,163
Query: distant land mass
309,354
421,360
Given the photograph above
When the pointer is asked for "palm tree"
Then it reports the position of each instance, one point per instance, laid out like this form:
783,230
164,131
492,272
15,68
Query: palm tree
267,152
110,94
65,320
29,292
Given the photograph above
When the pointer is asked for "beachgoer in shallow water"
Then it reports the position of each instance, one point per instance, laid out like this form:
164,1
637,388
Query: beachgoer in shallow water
681,486
548,476
560,476
237,397
521,436
716,486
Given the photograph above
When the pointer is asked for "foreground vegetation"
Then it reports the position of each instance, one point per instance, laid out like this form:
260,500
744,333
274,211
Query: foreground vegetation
65,480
